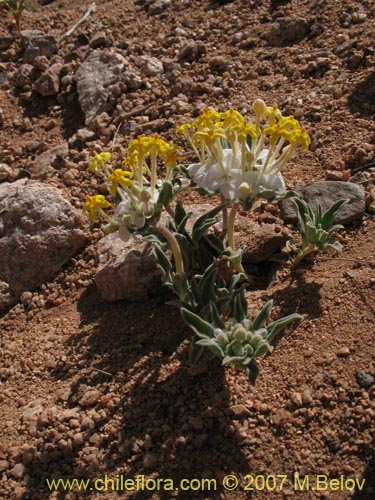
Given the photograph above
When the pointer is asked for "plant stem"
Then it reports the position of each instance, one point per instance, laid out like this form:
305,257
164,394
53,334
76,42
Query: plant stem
173,243
230,226
309,249
225,214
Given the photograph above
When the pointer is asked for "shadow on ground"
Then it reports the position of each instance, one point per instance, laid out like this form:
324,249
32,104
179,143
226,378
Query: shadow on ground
157,407
362,99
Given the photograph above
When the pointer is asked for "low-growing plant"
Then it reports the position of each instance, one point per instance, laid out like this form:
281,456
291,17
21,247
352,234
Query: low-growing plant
316,228
238,160
16,7
238,340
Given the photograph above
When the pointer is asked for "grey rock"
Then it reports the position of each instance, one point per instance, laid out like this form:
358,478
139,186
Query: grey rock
150,460
159,6
99,39
364,379
49,161
5,42
39,232
126,270
22,76
100,69
151,66
327,193
18,471
4,464
132,81
38,44
286,30
5,172
191,51
49,82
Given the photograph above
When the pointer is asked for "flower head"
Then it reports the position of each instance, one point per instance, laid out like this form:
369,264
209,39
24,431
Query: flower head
121,178
98,161
95,204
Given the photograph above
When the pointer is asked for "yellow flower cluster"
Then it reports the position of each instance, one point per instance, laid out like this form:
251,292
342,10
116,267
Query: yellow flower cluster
94,205
212,132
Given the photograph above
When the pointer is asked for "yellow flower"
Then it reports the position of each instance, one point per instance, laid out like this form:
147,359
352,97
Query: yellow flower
99,160
171,157
243,129
209,118
184,129
120,177
300,136
95,204
231,118
209,137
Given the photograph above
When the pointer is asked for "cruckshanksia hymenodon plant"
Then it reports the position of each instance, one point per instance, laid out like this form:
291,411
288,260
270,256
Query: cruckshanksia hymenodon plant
239,160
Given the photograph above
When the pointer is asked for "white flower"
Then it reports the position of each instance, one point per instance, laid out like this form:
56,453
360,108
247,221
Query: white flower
226,177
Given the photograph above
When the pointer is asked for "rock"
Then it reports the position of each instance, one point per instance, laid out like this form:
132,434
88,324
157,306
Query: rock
287,30
191,51
327,193
17,471
219,64
260,242
150,460
49,82
99,39
5,172
159,6
4,464
151,66
38,44
22,76
239,411
132,81
100,69
126,270
47,162
39,232
5,42
364,379
90,397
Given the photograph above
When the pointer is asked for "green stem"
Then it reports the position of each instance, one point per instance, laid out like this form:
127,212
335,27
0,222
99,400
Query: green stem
153,173
175,247
106,216
230,226
225,213
309,249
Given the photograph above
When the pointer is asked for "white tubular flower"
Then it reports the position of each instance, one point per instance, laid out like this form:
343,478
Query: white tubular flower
226,178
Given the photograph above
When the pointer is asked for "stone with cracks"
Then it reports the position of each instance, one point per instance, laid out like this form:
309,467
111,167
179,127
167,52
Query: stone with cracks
39,232
100,69
49,82
326,193
286,30
126,270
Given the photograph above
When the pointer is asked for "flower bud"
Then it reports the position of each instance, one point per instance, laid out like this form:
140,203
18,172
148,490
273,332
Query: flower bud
259,107
244,190
256,341
237,350
239,333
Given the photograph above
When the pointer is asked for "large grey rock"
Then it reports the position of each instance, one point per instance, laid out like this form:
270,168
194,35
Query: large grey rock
38,44
326,193
39,232
287,30
100,69
126,270
49,161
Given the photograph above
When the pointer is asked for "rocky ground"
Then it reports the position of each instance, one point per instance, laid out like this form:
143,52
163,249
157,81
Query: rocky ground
91,387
